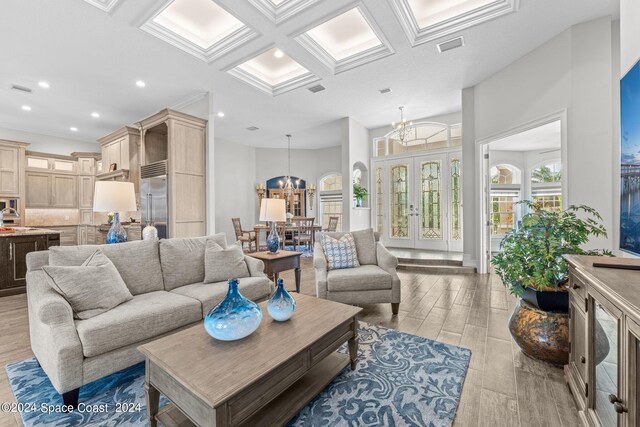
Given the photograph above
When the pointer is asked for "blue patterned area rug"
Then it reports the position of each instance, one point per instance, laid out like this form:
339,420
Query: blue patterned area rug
401,380
306,251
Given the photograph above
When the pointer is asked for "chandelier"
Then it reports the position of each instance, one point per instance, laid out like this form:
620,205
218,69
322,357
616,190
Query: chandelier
403,128
288,186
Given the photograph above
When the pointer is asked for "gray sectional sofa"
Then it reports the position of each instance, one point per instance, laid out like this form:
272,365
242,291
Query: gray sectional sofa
166,280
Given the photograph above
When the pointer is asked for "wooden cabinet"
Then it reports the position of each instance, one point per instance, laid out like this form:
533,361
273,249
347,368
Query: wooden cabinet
46,190
9,171
86,235
68,234
179,139
38,189
51,162
604,332
13,254
120,148
64,191
85,191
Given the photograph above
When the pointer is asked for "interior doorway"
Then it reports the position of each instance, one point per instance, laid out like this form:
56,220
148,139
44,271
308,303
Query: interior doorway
417,200
527,163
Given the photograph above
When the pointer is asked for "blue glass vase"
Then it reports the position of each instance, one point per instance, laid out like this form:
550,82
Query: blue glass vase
281,305
273,240
234,318
117,233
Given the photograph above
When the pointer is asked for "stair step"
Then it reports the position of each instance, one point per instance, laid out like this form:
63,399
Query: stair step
437,269
417,261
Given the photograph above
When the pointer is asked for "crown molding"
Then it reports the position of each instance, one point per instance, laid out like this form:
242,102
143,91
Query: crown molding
353,61
226,45
104,5
273,90
417,35
286,10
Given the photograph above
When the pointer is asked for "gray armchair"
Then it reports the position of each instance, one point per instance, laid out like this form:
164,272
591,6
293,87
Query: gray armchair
375,281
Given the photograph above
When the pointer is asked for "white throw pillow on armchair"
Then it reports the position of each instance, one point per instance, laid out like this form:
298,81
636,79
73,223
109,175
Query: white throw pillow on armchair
340,253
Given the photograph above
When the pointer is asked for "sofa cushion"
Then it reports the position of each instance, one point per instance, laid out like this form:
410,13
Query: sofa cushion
365,245
363,278
222,264
90,289
211,294
145,316
183,259
138,262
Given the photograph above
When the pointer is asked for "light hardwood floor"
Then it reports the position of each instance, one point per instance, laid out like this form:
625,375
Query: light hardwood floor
502,388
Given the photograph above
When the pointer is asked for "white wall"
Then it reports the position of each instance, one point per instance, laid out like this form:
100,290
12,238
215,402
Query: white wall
235,178
49,144
359,151
629,34
309,165
573,71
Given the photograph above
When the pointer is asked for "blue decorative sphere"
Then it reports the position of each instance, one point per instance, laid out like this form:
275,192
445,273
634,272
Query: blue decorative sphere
234,318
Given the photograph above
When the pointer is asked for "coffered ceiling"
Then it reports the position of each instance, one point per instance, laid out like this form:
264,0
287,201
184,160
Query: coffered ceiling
126,59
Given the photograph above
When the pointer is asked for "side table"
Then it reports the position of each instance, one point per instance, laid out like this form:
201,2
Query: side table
274,264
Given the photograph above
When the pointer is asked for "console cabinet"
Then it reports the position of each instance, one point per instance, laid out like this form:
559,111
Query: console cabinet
604,332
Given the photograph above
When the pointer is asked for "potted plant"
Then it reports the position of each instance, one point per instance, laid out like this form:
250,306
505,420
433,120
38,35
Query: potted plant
359,193
532,266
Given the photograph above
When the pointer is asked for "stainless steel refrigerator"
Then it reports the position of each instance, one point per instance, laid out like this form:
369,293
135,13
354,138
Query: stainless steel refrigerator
153,201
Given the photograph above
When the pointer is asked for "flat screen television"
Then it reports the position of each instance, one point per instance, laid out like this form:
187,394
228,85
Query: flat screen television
630,161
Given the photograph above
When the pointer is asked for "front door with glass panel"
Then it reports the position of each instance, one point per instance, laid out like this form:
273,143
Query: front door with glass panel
418,202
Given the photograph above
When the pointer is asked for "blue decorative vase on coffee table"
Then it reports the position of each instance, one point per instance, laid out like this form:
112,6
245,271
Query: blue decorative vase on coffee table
281,305
234,318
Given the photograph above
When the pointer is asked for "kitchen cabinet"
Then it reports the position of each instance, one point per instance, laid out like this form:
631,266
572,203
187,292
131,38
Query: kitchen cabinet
604,332
13,254
38,189
9,170
85,191
68,234
53,163
46,190
120,148
86,235
64,191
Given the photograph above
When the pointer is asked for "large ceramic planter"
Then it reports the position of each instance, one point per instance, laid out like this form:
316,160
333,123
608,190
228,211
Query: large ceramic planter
541,334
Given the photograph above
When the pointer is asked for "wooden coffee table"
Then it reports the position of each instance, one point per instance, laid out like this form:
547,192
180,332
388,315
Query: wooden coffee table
264,379
281,261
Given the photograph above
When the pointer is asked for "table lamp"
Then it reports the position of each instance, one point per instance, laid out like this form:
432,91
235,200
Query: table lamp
273,210
116,197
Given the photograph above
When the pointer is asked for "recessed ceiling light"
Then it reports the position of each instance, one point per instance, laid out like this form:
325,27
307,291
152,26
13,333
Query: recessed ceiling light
278,53
220,114
26,108
44,85
140,83
95,115
73,129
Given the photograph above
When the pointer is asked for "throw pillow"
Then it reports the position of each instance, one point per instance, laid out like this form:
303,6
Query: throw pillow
340,253
91,288
222,264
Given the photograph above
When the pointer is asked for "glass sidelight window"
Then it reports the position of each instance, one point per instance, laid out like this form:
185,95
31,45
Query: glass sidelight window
431,200
399,205
456,199
379,200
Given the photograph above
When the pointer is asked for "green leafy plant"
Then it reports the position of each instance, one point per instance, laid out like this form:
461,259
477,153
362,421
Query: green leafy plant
359,192
532,255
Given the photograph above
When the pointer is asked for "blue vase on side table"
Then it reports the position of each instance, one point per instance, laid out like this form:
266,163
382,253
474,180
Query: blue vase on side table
117,233
281,305
234,318
273,240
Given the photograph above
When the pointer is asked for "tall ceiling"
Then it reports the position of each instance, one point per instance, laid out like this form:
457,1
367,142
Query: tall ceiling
92,52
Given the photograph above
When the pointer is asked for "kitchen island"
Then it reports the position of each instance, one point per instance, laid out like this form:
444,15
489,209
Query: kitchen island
15,244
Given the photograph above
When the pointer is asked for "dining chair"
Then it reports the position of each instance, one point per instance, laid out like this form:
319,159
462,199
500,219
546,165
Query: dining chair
281,228
244,236
304,233
333,224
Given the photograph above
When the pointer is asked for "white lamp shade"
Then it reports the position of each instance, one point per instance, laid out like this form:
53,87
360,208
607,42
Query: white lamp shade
114,196
273,210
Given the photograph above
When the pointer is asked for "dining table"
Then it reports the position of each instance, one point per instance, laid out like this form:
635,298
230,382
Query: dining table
289,227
